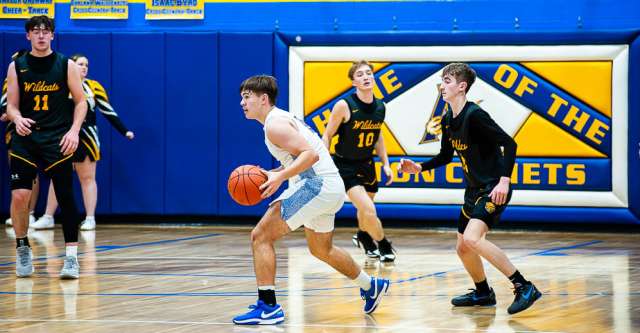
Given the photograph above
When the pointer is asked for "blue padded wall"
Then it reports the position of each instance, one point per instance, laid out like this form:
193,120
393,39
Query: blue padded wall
240,141
191,128
138,90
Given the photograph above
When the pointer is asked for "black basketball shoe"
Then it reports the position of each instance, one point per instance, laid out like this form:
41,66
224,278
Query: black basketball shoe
472,299
526,295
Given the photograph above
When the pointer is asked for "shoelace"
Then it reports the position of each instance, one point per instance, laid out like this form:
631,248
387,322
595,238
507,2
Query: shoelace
24,257
69,263
518,291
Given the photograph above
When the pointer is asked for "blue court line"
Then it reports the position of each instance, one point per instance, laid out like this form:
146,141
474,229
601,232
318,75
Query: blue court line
105,248
554,251
285,292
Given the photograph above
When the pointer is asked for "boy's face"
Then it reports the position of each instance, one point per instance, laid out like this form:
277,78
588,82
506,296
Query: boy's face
251,103
40,38
363,78
450,87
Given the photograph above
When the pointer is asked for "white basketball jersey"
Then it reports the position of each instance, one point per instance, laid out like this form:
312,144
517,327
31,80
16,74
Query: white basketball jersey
323,167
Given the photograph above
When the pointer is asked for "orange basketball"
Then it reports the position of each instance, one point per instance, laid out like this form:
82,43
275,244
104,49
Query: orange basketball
244,184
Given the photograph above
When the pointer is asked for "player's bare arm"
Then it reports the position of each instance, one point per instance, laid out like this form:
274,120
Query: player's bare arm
381,150
340,114
23,125
69,142
285,135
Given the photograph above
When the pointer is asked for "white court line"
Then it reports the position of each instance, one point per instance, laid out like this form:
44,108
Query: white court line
167,322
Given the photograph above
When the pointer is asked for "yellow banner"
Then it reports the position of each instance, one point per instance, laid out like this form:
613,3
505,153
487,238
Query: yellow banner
12,9
99,9
174,10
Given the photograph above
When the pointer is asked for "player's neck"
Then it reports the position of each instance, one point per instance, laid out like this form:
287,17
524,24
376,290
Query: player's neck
263,115
365,96
457,104
41,54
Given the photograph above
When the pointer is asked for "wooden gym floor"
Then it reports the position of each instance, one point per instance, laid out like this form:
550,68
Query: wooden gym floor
195,279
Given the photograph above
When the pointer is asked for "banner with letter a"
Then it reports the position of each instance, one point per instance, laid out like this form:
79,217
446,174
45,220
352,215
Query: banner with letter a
16,9
174,10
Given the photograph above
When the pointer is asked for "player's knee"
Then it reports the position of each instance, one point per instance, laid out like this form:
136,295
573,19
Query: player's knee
259,235
86,178
20,197
470,241
462,249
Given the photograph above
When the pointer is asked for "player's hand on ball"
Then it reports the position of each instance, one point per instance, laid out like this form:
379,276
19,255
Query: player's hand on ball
409,166
274,180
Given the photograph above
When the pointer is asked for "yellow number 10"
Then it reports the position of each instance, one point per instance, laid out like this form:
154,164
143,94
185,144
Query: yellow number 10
368,141
45,102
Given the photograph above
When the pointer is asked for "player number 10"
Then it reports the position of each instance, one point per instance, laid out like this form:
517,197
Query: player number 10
365,142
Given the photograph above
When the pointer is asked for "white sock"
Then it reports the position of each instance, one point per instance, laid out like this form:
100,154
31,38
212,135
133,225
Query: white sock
363,281
266,287
31,213
72,251
47,216
90,218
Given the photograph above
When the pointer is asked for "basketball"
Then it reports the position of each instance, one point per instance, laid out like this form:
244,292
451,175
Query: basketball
244,184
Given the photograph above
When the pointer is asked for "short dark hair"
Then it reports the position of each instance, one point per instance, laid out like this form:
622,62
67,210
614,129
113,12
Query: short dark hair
461,72
355,65
37,21
77,56
262,84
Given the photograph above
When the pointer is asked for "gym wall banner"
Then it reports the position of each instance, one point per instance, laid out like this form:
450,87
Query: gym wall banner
16,9
174,10
100,9
565,106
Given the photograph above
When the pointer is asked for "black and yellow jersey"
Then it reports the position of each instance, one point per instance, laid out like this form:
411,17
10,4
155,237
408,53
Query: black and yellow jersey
3,110
358,136
98,100
44,91
477,140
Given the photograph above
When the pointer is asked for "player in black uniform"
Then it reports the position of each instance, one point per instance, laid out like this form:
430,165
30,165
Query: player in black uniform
88,153
46,135
470,131
7,135
358,120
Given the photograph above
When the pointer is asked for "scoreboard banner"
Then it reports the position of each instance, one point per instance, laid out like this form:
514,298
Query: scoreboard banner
565,106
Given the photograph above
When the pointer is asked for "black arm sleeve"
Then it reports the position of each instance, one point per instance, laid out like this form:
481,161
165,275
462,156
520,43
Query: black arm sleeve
484,129
444,156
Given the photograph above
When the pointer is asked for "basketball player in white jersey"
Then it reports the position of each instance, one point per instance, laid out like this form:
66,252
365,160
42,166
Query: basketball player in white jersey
315,194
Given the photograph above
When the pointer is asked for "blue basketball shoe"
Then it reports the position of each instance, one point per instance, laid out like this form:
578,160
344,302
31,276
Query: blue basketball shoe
373,296
261,314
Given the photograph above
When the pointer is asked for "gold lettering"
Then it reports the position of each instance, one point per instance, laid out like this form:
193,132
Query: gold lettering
575,174
555,106
509,80
388,79
526,84
572,115
322,120
528,173
450,173
552,169
594,130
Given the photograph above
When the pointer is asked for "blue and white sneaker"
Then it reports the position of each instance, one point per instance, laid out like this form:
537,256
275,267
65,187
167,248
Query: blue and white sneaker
373,296
261,314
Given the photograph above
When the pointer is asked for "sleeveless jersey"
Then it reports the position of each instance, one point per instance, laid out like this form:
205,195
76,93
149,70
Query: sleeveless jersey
323,167
358,136
44,91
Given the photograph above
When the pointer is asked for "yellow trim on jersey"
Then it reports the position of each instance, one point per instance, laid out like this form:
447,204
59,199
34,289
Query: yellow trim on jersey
98,89
24,159
465,213
92,150
60,161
